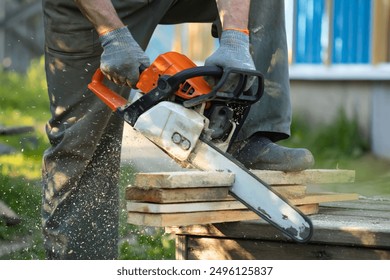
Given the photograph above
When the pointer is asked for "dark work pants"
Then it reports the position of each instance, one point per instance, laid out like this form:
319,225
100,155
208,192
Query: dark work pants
81,167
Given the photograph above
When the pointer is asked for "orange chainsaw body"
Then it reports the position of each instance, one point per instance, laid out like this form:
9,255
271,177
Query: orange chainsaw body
171,63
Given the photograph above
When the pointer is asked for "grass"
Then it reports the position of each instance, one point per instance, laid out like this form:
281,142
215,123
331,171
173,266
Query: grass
23,98
24,101
340,145
330,143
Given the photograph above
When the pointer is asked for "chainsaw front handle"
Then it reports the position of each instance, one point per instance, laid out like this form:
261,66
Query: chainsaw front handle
109,97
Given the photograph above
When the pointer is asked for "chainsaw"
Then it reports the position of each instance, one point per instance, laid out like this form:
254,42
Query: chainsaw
195,124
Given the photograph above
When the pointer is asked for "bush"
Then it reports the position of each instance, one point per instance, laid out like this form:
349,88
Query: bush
341,139
23,98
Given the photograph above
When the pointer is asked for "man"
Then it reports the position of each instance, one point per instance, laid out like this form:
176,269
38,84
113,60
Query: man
81,168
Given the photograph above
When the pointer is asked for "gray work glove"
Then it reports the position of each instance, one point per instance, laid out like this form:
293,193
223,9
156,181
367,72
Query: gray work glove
122,57
232,52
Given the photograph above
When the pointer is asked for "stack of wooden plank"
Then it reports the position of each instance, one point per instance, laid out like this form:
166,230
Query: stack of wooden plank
202,197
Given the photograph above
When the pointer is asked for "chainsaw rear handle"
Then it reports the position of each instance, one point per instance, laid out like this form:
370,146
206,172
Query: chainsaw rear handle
109,97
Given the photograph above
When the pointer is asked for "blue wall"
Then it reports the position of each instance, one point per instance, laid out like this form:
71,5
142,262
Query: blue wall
349,25
308,31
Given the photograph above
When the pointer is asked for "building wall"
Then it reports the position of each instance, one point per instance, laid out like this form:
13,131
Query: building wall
320,102
381,120
364,95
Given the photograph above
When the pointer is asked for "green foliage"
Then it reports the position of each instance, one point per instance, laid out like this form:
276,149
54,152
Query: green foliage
23,102
341,139
23,197
340,145
148,244
23,98
33,252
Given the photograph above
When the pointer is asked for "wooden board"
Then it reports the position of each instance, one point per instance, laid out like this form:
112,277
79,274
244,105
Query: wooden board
380,32
324,197
157,208
204,248
184,179
195,218
192,218
309,176
370,203
144,207
190,179
177,195
349,223
200,194
290,191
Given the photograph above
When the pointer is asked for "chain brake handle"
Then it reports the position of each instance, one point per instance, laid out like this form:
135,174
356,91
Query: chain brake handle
238,94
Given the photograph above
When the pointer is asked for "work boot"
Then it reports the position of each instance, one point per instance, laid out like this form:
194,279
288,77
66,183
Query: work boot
261,153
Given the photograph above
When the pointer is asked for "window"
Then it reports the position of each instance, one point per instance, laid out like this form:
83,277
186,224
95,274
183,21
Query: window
338,31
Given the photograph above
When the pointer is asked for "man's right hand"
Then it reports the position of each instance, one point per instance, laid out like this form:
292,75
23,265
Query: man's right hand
122,57
232,52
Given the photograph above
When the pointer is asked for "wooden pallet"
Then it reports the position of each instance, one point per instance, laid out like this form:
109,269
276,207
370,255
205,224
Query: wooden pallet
202,197
345,230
